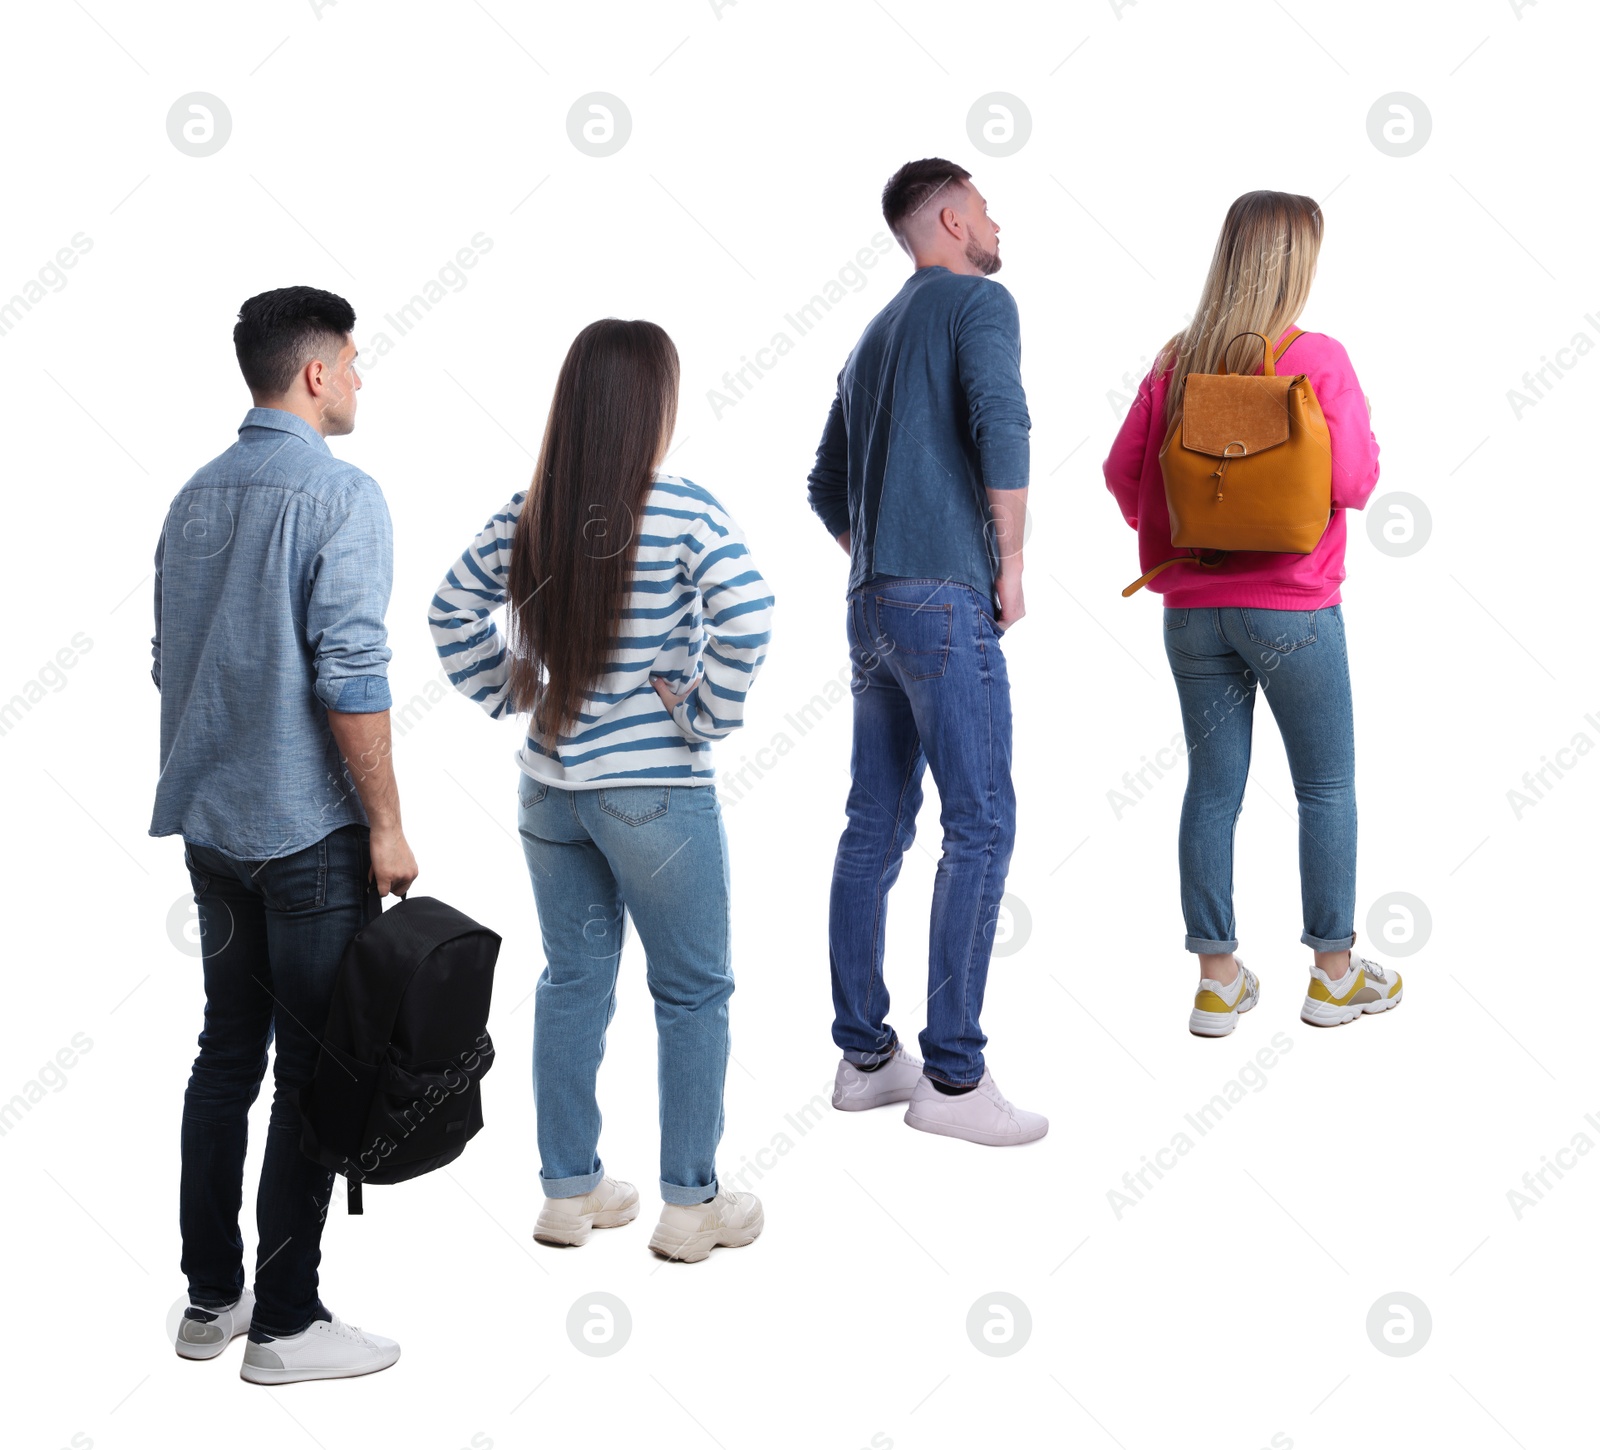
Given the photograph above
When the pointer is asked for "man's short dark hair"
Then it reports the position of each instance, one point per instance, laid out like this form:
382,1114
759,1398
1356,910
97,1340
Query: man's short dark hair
914,185
279,332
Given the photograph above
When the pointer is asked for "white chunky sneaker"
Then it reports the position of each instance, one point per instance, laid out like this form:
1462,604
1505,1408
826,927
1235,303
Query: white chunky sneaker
689,1232
1364,988
980,1116
566,1222
205,1333
1217,1008
854,1091
327,1349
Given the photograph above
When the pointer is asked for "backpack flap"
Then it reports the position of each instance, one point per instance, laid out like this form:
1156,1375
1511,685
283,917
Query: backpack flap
1228,416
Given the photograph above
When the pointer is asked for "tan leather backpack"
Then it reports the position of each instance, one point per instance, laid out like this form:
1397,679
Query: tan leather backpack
1246,465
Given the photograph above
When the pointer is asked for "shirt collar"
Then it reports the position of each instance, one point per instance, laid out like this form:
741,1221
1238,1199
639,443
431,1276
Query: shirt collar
283,422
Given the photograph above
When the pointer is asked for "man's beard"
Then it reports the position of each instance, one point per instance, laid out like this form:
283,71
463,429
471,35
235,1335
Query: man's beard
988,263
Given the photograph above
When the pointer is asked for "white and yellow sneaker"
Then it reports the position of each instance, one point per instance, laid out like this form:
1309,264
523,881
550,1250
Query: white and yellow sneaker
1217,1008
1365,987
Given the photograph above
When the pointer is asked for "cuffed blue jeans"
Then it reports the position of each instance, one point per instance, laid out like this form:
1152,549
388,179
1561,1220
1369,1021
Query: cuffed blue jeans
931,690
657,854
1218,658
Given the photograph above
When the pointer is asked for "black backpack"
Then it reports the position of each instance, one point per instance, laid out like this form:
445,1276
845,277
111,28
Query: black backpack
396,1091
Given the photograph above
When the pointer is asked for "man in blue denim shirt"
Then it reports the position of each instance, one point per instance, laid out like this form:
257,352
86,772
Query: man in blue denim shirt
272,580
922,477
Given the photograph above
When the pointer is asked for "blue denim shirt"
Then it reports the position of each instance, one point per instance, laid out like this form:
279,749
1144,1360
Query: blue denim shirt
272,580
929,414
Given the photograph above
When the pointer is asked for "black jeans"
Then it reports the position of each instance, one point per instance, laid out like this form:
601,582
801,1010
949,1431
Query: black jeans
272,935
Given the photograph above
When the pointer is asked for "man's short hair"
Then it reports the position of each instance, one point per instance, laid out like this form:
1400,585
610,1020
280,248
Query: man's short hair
916,184
279,332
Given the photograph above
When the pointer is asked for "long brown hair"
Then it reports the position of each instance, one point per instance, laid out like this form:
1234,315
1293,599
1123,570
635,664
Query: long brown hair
615,406
1259,280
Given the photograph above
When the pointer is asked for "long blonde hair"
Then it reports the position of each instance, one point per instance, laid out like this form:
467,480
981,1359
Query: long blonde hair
1259,280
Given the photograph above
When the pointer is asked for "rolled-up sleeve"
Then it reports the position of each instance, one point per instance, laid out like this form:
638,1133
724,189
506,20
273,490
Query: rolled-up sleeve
352,575
989,361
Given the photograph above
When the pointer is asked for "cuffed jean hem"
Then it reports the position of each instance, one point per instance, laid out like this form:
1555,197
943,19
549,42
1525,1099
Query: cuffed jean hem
570,1187
677,1194
929,1072
1211,948
870,1059
1321,944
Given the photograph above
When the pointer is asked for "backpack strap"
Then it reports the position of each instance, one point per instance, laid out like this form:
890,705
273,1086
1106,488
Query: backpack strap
1283,346
1218,556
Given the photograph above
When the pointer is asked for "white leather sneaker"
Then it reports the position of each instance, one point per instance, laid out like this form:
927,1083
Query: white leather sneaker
689,1232
205,1333
566,1222
854,1091
327,1349
980,1116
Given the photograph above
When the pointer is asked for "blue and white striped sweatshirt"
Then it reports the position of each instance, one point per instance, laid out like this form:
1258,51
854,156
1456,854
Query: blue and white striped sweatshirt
699,612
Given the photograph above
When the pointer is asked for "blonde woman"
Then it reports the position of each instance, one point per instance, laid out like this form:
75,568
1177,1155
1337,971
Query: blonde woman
1260,619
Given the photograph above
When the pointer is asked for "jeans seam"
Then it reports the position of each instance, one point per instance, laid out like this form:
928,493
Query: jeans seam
878,902
989,849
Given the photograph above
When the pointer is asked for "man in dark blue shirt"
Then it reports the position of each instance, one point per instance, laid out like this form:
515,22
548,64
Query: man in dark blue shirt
922,477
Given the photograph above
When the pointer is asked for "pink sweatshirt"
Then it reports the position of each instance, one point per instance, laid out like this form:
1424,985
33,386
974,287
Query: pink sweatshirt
1264,581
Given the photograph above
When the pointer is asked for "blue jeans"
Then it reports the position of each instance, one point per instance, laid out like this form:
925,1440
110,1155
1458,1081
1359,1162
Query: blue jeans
656,854
272,936
930,688
1218,657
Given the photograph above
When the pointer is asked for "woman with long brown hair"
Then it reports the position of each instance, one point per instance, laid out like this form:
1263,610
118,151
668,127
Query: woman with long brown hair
1272,619
637,622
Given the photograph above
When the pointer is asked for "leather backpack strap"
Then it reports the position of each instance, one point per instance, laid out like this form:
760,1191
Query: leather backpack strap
1150,574
1266,353
1218,555
1283,346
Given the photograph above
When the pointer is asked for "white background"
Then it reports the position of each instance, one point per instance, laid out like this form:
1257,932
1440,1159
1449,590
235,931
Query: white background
1229,1305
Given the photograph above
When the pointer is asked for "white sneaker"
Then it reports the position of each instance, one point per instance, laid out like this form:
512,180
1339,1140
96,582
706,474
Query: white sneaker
689,1232
205,1333
854,1091
1217,1008
1365,987
980,1116
327,1349
565,1222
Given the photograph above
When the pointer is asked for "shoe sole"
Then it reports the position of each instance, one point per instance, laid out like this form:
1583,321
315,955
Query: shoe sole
854,1104
1219,1024
1337,1016
574,1235
971,1135
259,1375
204,1351
691,1248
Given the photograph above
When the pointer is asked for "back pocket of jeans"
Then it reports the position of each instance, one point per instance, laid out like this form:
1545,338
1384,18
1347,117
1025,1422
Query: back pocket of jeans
918,635
633,805
1280,630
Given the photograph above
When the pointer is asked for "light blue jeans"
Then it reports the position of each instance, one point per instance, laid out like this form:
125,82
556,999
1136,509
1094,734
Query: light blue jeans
657,854
1297,656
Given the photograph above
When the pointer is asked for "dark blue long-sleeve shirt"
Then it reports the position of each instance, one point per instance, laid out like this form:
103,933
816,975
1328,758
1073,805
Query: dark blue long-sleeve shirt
929,414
